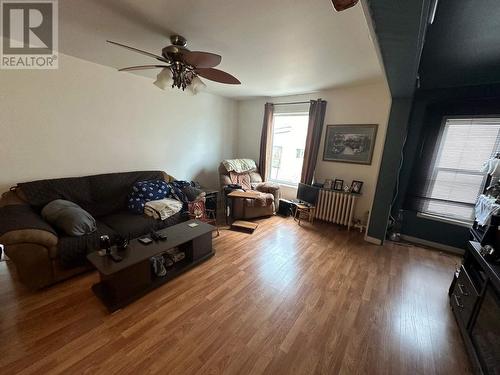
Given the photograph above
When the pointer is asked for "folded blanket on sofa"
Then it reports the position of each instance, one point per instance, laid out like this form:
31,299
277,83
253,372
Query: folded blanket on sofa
163,208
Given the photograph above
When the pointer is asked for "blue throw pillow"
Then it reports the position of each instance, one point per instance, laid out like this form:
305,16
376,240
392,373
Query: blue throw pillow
145,191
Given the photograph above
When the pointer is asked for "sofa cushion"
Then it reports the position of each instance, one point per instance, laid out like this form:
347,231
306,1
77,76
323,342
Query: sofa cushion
72,250
69,217
100,195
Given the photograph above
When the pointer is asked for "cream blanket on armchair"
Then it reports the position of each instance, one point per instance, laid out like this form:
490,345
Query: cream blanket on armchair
239,165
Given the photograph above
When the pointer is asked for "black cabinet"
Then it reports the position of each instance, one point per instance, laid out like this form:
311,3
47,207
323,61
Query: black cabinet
474,299
464,296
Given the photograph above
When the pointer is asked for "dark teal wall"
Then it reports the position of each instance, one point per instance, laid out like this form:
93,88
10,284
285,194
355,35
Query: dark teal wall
389,167
434,231
400,26
469,59
427,111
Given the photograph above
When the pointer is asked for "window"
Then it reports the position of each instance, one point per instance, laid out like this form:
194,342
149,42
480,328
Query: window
455,180
288,142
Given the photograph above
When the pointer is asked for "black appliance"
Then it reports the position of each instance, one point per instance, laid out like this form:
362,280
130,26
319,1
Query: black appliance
307,193
285,208
485,332
475,301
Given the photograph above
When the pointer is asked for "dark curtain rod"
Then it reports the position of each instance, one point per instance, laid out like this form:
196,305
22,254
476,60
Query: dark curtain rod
292,103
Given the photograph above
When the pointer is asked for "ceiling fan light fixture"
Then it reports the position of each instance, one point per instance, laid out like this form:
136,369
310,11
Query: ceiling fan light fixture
196,85
181,67
164,79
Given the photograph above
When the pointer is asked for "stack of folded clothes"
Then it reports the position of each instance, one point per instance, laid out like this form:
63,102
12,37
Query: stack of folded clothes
163,208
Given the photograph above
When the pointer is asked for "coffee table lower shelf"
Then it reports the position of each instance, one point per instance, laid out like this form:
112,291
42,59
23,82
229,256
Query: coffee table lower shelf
114,303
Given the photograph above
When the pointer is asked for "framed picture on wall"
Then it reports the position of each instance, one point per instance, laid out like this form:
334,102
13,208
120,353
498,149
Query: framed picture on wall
350,143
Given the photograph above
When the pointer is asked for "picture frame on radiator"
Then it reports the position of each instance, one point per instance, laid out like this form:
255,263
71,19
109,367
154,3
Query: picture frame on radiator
338,185
356,186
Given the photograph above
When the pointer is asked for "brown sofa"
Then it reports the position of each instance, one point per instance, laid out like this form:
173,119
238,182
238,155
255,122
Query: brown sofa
36,248
247,208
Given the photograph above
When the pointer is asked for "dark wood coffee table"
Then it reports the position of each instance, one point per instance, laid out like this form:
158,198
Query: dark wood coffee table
123,282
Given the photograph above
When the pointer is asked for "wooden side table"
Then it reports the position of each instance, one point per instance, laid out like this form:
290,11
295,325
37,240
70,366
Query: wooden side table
305,212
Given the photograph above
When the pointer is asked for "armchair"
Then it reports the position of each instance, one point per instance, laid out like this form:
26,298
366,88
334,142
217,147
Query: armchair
250,208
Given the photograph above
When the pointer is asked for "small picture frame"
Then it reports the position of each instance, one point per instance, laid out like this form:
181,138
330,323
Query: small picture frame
327,184
356,186
338,185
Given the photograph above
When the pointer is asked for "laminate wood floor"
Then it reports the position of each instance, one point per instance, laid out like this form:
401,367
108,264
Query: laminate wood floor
283,300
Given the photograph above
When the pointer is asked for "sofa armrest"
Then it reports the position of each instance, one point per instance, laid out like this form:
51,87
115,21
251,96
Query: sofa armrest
274,189
21,224
36,236
224,180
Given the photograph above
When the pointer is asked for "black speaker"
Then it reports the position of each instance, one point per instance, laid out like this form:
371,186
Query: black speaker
285,208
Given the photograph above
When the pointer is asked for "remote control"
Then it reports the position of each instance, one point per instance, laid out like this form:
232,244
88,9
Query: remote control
116,257
154,235
158,236
145,240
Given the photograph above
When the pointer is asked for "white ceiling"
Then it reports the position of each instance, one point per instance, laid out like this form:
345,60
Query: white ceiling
275,47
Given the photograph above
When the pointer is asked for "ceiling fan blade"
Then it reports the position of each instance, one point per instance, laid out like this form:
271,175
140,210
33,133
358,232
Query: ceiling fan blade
341,5
217,76
141,67
201,59
158,57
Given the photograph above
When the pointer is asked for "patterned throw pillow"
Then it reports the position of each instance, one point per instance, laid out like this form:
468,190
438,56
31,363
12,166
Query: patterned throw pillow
197,209
145,191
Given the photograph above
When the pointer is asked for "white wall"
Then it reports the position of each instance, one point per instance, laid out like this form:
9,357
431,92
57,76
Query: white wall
86,118
367,103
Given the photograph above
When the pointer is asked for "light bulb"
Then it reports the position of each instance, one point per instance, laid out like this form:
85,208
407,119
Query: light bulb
164,79
196,85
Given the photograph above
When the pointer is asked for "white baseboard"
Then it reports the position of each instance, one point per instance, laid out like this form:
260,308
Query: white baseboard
373,240
436,245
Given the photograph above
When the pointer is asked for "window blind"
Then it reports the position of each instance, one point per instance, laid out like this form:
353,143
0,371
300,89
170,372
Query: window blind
454,179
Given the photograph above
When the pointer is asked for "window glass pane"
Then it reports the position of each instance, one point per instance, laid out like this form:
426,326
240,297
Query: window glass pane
289,138
457,186
456,180
467,146
450,210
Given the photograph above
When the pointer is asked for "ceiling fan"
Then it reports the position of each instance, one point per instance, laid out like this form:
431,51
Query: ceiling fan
181,67
341,5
